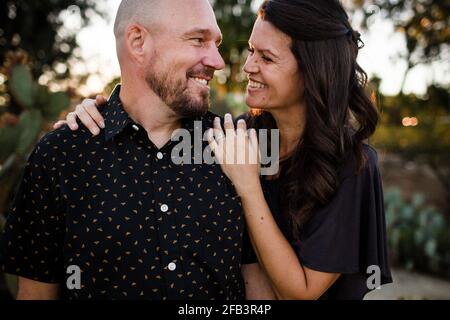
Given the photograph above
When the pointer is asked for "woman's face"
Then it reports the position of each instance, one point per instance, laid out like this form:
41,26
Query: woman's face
274,77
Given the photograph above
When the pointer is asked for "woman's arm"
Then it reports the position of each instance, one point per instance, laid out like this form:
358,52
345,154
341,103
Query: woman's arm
289,278
257,285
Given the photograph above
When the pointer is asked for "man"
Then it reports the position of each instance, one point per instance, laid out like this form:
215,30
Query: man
111,216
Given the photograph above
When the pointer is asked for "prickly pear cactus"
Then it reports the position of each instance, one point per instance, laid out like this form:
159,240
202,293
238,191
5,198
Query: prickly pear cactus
38,104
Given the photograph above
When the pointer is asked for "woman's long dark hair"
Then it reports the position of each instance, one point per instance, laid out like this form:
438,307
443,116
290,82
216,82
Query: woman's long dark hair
339,113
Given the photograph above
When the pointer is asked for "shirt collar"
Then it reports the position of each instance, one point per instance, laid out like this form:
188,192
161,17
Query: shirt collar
116,119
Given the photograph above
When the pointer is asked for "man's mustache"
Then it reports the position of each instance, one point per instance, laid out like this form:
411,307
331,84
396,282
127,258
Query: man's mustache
207,73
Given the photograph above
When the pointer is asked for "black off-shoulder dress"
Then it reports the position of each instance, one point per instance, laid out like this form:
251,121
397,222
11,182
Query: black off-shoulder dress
346,236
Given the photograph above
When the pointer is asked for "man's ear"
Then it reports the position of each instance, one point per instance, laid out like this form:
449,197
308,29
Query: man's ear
138,42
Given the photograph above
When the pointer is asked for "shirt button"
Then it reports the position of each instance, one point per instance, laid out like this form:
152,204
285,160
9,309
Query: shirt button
159,155
135,127
164,208
172,266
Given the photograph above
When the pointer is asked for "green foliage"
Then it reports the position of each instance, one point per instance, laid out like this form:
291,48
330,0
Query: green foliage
426,143
235,19
30,126
39,28
21,86
11,284
418,235
229,103
35,106
38,105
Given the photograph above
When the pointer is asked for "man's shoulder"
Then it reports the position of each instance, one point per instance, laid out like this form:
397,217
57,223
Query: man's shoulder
64,139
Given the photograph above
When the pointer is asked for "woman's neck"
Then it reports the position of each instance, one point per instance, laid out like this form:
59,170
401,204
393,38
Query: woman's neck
291,123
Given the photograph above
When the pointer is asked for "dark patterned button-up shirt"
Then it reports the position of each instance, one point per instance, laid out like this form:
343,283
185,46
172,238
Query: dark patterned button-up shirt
117,209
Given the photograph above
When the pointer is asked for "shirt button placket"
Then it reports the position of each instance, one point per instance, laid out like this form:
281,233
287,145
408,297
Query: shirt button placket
170,251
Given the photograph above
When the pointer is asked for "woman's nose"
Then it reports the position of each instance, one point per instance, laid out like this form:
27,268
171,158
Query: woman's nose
250,65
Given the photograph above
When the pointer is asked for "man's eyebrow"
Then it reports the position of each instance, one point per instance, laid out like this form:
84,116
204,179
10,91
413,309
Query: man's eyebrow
204,32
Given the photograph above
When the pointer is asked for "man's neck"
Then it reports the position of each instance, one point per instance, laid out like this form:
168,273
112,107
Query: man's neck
146,108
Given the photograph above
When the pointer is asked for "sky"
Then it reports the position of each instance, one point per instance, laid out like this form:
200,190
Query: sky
382,45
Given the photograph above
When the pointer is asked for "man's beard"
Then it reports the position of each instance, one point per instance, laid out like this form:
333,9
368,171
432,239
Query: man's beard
175,93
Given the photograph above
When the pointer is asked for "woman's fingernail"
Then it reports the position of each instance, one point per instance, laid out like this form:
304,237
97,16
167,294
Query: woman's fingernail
102,125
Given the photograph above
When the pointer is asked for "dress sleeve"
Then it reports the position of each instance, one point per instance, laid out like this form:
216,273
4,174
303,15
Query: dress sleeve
349,234
32,240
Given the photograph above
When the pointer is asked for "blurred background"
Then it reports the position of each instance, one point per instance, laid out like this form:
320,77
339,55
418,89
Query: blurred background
54,53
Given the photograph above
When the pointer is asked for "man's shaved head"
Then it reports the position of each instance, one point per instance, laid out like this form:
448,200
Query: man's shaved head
144,12
171,46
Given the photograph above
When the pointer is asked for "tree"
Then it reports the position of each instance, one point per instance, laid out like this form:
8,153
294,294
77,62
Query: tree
35,39
424,23
39,28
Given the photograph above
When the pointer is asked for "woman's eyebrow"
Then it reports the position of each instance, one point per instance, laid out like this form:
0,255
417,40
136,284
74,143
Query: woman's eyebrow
264,50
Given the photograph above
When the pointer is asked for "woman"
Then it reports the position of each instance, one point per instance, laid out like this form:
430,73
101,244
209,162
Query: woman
317,226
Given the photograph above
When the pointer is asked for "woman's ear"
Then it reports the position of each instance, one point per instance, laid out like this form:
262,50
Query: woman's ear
138,42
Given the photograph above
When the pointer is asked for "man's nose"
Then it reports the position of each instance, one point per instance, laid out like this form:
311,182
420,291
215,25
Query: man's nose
214,60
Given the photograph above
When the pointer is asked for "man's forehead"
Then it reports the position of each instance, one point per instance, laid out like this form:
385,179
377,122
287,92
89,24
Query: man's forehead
212,32
191,9
185,15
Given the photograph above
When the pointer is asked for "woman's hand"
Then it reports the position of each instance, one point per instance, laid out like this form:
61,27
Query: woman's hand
88,114
237,151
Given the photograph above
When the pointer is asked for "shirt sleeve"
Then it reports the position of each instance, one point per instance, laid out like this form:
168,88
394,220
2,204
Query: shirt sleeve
32,240
349,234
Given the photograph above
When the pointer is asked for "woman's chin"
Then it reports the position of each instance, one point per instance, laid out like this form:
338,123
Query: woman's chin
252,103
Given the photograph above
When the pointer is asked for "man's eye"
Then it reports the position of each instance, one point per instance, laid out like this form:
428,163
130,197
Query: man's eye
251,50
267,59
197,40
